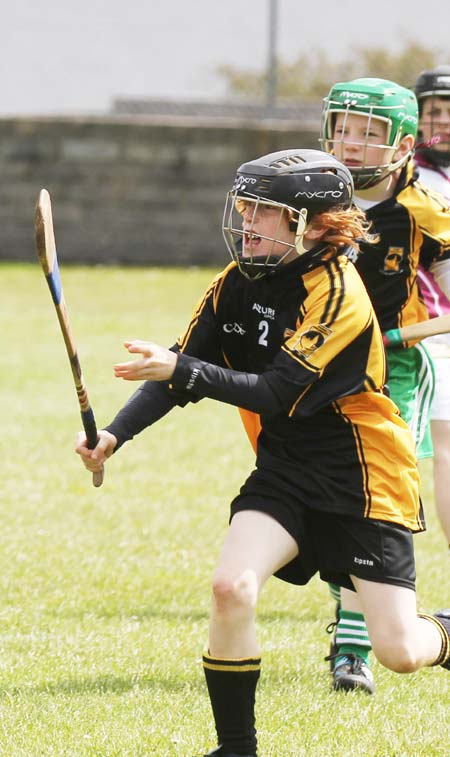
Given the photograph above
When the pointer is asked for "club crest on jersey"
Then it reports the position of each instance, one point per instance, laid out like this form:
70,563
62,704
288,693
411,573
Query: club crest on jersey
311,339
392,261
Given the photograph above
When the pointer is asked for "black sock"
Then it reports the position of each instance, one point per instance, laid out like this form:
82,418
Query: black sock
232,686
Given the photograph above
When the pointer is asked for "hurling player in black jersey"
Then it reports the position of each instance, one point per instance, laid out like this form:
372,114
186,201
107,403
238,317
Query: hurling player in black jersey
287,332
370,124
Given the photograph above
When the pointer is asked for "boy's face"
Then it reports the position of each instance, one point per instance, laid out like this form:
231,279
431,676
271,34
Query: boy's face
360,141
435,122
266,230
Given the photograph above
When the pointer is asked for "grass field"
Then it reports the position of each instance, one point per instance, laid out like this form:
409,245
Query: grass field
105,593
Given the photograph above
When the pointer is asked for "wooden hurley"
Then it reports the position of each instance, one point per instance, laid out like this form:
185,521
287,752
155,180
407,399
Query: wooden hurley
417,331
46,250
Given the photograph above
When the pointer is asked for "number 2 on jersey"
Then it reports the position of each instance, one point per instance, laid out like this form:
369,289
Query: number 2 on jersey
263,327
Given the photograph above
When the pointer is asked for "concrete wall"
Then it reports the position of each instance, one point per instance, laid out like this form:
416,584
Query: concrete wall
127,192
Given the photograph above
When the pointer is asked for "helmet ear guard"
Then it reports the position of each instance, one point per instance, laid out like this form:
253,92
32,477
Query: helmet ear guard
300,231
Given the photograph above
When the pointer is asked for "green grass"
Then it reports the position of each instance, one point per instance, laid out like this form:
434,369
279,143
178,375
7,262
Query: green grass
105,593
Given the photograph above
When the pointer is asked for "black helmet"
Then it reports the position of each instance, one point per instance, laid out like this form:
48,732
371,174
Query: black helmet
302,182
434,82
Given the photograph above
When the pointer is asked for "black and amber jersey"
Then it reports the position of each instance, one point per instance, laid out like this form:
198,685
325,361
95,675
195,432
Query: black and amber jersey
301,354
310,329
413,226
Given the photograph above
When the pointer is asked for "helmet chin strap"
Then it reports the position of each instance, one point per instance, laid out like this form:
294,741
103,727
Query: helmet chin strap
394,166
300,232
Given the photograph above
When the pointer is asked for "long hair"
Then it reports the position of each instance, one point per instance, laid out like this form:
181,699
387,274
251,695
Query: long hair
344,227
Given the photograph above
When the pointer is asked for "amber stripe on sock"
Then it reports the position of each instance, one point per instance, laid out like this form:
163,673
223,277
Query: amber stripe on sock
232,687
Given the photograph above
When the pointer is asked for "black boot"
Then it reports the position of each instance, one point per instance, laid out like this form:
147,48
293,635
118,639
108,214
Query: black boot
219,752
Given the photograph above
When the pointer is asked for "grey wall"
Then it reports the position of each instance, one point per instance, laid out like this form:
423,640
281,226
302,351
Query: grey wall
126,192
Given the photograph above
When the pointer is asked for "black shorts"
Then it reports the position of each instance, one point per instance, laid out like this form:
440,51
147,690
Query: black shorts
338,546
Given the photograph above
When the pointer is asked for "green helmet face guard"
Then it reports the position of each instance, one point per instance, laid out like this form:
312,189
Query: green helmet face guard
375,99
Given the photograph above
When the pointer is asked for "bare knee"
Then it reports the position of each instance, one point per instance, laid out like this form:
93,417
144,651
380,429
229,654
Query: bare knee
399,656
235,596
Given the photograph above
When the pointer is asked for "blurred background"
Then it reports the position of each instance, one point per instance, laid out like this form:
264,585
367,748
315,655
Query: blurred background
136,115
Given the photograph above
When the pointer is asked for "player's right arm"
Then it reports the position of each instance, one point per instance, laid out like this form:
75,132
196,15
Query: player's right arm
153,400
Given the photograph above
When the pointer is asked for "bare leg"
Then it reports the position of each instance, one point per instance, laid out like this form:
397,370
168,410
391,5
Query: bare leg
401,640
255,547
350,601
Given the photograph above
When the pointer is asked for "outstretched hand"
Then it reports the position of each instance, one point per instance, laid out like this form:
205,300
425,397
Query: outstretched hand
155,364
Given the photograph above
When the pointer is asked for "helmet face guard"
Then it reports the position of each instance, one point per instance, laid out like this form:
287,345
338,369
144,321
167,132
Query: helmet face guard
433,87
250,263
294,185
379,101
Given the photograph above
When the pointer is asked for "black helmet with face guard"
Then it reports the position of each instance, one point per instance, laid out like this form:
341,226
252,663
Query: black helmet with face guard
302,182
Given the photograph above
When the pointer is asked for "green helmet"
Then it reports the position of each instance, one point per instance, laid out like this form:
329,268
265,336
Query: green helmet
378,99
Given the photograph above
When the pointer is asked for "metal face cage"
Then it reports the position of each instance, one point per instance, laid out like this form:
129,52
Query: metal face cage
366,175
242,238
437,129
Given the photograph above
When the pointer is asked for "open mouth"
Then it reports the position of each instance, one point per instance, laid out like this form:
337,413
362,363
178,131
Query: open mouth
251,240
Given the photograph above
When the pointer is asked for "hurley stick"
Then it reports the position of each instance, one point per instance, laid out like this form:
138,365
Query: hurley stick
417,331
46,250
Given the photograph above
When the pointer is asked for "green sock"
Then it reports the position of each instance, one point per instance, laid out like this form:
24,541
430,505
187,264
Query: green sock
352,636
335,592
